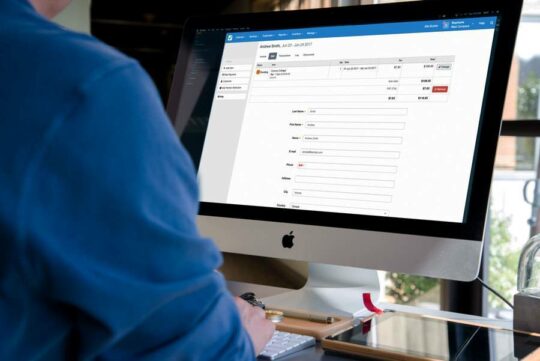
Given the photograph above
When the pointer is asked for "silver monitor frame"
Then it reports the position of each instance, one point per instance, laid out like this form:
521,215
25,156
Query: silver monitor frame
427,248
436,257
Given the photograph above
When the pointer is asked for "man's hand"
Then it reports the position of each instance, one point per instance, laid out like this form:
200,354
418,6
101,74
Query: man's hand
257,326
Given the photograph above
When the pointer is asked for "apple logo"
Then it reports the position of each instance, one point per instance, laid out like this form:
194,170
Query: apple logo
287,240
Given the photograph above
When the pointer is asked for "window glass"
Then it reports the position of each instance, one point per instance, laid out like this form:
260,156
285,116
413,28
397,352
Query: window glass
524,82
413,290
514,199
514,213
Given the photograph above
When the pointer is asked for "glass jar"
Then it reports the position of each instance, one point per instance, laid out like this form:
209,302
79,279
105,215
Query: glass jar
528,281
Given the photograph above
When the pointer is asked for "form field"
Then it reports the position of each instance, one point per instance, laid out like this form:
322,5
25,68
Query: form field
341,208
351,125
319,194
347,174
347,153
353,139
358,111
347,167
357,182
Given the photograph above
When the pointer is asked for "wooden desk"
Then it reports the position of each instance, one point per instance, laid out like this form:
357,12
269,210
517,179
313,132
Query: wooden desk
317,353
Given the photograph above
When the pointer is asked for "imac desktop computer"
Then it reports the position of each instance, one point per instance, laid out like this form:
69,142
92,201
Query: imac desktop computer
357,138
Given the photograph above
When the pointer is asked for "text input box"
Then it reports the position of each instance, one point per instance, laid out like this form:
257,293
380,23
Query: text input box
358,111
382,176
347,167
341,208
321,152
356,182
319,194
352,139
355,125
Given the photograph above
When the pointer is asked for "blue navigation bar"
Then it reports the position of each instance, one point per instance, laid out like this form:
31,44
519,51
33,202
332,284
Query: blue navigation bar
488,22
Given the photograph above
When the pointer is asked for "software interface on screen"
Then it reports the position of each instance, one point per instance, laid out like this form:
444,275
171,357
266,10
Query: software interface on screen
378,119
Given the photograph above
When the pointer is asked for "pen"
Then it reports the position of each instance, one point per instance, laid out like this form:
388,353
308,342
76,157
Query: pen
302,315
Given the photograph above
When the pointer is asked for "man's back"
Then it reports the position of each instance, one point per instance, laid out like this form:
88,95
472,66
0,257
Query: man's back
100,253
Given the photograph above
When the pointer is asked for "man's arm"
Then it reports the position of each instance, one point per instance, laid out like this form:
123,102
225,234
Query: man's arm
109,214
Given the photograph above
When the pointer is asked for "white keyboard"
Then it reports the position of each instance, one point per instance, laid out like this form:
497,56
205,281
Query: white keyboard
285,343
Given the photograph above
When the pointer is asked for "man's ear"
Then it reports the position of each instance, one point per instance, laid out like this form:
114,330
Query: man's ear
49,8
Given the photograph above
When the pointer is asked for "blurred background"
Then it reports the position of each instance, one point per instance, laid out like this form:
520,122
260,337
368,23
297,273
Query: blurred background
150,31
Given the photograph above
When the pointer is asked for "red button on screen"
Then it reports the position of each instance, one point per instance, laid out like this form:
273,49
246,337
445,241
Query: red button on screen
440,89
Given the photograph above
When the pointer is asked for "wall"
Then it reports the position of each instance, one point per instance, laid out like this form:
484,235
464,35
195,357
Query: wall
76,16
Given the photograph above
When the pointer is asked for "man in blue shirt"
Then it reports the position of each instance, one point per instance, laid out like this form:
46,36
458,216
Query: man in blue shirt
100,255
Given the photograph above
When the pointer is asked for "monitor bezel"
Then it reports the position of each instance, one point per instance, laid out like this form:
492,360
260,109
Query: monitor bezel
489,128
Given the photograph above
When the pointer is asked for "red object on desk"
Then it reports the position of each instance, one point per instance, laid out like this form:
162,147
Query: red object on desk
369,304
366,327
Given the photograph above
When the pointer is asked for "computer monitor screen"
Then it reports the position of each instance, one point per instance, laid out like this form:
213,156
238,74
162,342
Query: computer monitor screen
377,118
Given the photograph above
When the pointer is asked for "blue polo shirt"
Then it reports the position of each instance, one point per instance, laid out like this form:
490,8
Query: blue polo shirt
99,251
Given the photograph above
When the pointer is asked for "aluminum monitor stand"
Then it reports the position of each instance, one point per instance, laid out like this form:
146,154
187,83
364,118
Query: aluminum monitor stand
331,290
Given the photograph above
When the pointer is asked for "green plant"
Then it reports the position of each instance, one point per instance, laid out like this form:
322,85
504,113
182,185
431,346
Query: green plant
406,288
503,260
528,97
527,109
